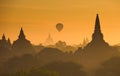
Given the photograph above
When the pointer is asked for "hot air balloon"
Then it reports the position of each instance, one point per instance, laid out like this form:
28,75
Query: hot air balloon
59,26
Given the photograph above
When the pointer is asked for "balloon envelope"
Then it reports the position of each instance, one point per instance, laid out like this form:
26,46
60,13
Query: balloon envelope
59,26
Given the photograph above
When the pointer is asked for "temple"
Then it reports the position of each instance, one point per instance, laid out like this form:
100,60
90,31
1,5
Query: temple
49,41
5,43
22,45
97,37
97,47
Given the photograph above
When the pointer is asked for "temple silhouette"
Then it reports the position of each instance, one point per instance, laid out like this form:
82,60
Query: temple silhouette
49,41
5,43
22,45
97,50
97,37
85,42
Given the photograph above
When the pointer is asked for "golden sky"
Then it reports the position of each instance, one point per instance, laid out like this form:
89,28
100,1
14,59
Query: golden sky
39,17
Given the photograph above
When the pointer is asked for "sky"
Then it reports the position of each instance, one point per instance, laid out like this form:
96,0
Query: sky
39,18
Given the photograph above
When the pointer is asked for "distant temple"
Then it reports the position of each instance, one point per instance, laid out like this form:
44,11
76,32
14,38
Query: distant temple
85,42
9,43
22,45
49,41
5,43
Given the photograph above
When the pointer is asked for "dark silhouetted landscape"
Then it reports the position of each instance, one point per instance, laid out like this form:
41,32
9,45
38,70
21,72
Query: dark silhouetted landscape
91,58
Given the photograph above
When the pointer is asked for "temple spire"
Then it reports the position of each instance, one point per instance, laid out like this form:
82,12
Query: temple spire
49,40
97,35
97,24
9,42
21,35
3,37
